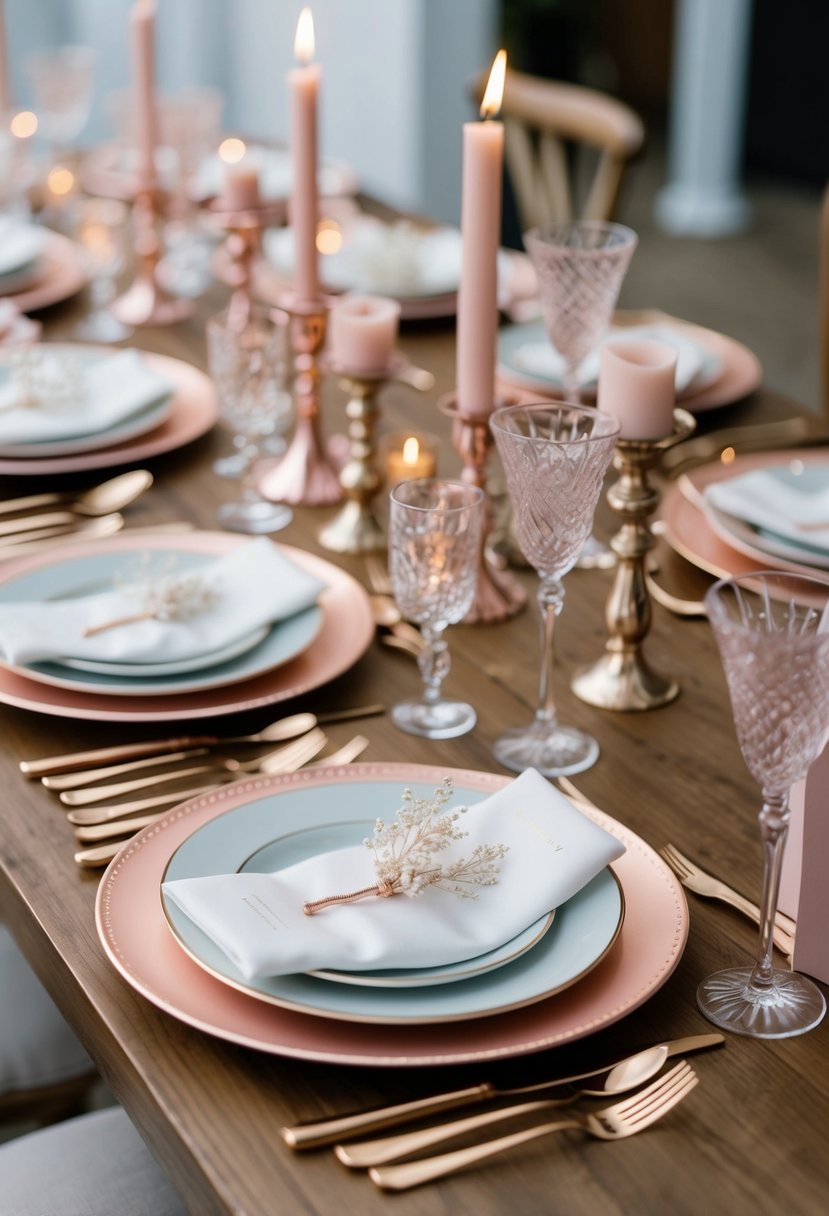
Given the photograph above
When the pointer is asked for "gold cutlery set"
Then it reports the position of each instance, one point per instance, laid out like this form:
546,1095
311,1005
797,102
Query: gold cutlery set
385,1157
104,829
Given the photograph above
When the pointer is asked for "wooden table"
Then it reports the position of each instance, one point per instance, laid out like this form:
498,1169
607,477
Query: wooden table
751,1138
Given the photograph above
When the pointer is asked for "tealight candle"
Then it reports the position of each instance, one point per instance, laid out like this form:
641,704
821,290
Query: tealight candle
637,385
361,333
409,457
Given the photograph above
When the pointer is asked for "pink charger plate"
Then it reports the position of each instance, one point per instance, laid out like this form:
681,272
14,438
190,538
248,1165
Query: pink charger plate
61,274
688,531
137,940
346,632
194,410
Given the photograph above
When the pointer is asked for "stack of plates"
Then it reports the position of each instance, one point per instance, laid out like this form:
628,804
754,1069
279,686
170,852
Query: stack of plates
600,956
37,267
270,665
158,426
712,370
727,544
419,267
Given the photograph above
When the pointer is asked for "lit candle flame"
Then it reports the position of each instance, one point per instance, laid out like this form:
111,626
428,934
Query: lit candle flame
60,180
727,455
232,150
411,450
24,124
329,237
304,40
494,93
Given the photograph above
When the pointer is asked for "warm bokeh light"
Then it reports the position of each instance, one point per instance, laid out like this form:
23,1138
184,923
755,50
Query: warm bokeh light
24,124
727,455
411,450
304,40
494,93
61,180
329,237
232,150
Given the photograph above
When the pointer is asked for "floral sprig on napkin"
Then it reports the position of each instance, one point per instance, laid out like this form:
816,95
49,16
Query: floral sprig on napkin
405,854
164,598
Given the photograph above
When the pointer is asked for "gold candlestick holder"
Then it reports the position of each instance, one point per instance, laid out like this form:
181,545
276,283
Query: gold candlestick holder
622,678
146,302
497,595
356,529
243,230
304,475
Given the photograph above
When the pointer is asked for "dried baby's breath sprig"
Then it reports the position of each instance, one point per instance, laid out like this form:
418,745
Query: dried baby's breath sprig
166,598
405,850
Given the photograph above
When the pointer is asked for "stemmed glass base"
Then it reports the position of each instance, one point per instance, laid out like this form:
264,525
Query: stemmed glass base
786,1005
102,326
255,516
556,751
442,720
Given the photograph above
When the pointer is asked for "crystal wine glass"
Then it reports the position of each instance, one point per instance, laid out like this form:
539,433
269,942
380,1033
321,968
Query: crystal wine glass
774,646
62,80
249,369
580,269
434,536
555,456
101,231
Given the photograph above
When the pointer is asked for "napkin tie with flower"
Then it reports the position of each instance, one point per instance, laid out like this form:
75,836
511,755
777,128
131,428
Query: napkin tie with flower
51,396
530,845
219,602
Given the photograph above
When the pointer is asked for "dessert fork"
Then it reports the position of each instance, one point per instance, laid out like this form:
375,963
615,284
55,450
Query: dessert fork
615,1122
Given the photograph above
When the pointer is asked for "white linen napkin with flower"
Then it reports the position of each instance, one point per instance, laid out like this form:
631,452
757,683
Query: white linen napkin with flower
763,498
20,244
258,919
255,585
72,399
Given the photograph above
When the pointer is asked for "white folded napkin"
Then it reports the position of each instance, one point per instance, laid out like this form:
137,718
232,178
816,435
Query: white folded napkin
258,921
542,359
20,244
109,391
254,586
763,498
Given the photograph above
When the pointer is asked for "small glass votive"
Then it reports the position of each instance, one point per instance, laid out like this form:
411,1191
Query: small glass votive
407,455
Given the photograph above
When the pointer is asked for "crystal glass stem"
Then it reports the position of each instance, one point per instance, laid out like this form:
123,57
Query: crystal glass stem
774,827
572,388
550,602
434,663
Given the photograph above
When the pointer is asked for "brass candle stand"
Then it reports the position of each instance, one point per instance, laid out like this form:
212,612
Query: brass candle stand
146,302
497,595
355,528
243,230
622,679
304,475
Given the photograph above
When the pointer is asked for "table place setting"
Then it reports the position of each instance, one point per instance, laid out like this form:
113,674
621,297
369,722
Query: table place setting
38,267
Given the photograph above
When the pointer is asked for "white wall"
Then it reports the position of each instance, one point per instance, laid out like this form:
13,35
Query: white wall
395,74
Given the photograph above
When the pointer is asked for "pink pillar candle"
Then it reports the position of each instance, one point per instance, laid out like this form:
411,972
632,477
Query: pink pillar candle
483,157
637,386
142,35
240,187
303,85
361,333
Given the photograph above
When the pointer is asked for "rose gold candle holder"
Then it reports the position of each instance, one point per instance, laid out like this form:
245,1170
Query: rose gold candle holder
304,475
622,678
243,243
497,595
146,302
356,529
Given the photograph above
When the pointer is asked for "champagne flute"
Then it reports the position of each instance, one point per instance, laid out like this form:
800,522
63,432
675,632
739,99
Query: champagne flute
774,645
434,536
554,457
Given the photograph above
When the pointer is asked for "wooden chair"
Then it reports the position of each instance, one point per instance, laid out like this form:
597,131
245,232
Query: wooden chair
824,301
548,125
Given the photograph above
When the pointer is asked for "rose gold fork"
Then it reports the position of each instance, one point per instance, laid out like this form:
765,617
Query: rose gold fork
615,1122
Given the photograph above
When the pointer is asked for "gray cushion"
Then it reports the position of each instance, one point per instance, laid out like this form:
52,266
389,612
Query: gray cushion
96,1165
36,1045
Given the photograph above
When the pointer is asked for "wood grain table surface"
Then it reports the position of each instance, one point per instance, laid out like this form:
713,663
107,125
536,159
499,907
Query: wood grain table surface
751,1138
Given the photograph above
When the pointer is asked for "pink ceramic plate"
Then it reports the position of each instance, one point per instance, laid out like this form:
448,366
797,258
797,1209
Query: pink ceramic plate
687,530
137,940
60,274
347,629
193,411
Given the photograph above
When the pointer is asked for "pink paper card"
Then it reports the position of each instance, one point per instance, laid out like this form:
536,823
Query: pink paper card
804,884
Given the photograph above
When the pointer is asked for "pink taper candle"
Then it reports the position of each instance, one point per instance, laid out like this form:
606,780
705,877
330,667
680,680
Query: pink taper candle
142,35
5,84
637,386
483,155
304,83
